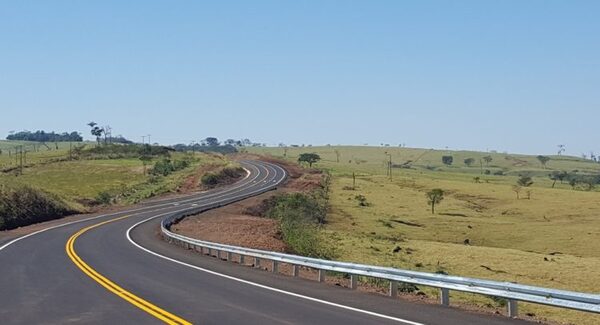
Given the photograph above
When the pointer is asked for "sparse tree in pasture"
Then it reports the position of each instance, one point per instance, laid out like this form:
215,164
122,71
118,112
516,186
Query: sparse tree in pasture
309,158
525,181
96,130
435,196
469,162
543,160
561,149
557,176
488,160
447,160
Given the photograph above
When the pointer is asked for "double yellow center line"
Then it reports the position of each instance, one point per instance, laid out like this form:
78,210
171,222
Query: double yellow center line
113,287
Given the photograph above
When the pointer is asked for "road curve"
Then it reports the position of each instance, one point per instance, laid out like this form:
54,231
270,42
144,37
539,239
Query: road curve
116,269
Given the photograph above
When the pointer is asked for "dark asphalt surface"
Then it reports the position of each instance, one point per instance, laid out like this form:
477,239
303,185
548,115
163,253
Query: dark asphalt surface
39,284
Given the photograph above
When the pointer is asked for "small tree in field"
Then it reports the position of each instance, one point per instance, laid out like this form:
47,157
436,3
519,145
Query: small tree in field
558,176
543,160
469,162
309,158
525,181
488,160
434,197
447,160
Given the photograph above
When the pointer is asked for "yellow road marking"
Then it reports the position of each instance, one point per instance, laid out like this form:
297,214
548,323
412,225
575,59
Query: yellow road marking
113,287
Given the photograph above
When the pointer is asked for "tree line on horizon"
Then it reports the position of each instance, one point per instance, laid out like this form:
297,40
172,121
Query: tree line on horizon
43,136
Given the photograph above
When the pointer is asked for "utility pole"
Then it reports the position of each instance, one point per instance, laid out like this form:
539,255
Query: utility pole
143,139
150,143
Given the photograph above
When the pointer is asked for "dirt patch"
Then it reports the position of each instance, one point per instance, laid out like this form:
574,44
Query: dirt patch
479,203
230,226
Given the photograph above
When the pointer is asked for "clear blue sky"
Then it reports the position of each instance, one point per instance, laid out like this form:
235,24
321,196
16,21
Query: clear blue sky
520,76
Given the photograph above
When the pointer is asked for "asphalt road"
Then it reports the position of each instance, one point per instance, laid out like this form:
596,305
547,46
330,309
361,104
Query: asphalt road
40,283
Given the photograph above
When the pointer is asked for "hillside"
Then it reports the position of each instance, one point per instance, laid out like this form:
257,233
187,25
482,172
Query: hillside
480,229
73,180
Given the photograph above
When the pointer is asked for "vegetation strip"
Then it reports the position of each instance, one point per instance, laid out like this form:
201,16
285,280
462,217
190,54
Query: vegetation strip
113,287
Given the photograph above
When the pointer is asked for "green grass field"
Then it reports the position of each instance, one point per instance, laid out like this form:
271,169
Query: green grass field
552,239
80,181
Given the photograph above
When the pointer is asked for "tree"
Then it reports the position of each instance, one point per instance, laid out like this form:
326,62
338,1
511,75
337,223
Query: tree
447,160
561,149
469,162
543,160
230,142
488,160
96,130
525,181
309,158
211,141
434,197
558,176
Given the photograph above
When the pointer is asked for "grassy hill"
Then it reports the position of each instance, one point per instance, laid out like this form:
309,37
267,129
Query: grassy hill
480,229
96,175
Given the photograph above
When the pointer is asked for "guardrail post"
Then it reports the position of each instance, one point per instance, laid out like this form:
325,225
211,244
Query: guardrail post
393,289
295,270
353,279
218,255
513,308
229,256
275,267
445,296
241,259
256,262
210,251
321,276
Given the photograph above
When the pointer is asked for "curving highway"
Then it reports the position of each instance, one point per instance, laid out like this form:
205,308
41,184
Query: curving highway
115,269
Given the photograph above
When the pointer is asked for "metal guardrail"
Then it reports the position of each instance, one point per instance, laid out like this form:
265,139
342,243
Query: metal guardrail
512,292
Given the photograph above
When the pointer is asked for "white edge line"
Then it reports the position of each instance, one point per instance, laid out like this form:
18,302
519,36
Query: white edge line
325,302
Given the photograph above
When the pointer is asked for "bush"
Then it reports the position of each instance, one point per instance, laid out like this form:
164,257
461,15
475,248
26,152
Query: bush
103,198
224,176
165,166
300,216
210,179
362,200
447,160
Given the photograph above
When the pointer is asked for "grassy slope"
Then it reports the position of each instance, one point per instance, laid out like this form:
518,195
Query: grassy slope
81,180
509,238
